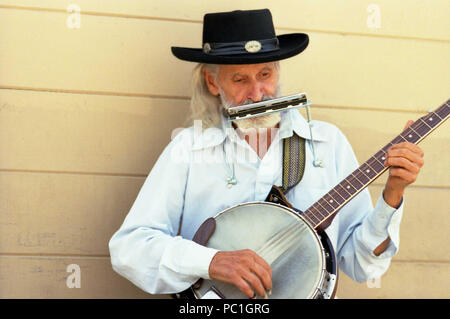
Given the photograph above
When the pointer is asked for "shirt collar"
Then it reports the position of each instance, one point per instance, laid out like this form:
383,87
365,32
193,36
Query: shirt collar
291,121
211,136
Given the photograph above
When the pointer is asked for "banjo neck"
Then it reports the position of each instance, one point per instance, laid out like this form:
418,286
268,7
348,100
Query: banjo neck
322,212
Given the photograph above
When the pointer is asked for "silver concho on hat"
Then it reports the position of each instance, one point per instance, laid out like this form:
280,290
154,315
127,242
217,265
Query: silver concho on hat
253,46
206,47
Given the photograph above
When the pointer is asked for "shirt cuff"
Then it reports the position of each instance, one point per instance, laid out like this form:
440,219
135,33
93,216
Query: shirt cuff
201,259
383,222
188,258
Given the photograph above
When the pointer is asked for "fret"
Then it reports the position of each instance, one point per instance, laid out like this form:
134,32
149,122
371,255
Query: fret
322,202
386,147
423,129
369,171
318,216
362,177
424,122
404,139
341,190
431,120
443,111
435,113
380,156
378,160
375,164
316,220
306,215
357,181
411,127
397,140
330,200
416,125
338,198
411,135
348,187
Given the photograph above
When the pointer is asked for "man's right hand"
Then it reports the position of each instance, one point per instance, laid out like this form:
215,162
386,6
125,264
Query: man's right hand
244,269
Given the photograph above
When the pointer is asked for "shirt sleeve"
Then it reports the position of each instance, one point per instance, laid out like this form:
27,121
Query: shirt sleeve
363,227
146,249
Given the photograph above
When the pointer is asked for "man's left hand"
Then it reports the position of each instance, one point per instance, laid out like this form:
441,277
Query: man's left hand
405,161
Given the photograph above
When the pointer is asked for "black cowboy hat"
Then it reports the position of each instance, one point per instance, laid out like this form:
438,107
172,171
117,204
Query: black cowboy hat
242,37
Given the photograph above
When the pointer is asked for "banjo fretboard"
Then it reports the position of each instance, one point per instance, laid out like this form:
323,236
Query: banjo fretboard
320,214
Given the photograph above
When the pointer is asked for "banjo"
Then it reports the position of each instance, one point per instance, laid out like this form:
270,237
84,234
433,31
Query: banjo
294,243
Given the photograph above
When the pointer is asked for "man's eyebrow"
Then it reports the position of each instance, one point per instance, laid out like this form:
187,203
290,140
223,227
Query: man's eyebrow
236,75
266,68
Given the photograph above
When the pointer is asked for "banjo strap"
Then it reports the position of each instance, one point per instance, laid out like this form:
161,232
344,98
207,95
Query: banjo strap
293,161
293,169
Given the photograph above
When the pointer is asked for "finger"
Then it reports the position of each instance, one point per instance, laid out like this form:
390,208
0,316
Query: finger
244,286
264,275
403,163
412,147
406,154
254,282
408,124
404,174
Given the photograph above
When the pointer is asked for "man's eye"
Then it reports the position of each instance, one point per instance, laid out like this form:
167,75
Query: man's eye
265,74
238,80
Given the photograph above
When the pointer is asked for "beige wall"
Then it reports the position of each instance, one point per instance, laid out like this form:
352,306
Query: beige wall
85,112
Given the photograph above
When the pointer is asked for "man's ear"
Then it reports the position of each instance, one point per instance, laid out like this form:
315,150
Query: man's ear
210,80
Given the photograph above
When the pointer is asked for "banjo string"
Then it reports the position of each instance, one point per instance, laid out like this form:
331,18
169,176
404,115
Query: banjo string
280,242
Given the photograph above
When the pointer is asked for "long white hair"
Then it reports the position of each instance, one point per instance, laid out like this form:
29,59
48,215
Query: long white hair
205,106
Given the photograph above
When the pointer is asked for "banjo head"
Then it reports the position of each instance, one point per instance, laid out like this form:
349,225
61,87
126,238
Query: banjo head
280,236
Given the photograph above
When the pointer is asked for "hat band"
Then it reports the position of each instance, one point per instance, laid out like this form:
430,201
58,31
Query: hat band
241,47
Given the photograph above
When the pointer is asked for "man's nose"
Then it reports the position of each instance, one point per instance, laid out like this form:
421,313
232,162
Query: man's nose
255,92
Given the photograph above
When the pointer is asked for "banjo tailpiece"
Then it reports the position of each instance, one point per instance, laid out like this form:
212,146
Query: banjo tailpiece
276,196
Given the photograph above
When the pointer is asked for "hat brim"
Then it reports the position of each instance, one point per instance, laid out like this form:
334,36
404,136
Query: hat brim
290,44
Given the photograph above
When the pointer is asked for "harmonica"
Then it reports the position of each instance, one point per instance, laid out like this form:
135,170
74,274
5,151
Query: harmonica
265,107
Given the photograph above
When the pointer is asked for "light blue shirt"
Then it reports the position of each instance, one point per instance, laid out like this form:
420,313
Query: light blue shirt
189,181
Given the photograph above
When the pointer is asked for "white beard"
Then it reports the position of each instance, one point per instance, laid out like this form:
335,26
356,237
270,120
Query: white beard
265,121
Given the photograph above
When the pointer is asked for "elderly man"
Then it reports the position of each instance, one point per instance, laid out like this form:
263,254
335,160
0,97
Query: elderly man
238,64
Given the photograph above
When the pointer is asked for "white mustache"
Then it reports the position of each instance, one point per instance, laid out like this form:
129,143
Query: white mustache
227,104
263,98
